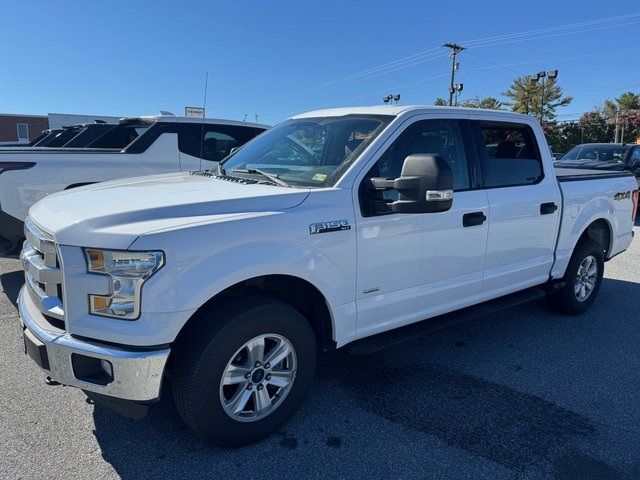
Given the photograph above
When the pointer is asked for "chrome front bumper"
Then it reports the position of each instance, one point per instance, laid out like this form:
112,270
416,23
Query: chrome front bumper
137,375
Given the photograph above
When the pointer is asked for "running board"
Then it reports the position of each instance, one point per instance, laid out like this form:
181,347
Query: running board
400,335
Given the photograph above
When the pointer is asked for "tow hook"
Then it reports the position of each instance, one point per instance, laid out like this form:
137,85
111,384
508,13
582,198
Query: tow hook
50,381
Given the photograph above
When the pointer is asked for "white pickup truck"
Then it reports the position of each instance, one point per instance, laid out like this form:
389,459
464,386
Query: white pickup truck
86,154
333,226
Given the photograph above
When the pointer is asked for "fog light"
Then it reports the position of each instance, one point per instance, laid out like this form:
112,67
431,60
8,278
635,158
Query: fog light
92,370
107,367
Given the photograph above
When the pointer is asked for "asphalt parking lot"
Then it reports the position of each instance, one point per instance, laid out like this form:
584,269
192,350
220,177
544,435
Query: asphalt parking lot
522,394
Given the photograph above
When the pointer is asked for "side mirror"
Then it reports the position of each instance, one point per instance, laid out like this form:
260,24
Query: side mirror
425,185
633,163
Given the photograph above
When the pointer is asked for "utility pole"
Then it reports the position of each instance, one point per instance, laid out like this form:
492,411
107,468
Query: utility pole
455,50
615,140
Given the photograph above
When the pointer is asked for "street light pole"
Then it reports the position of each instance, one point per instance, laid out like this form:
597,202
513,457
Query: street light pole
455,50
550,75
544,83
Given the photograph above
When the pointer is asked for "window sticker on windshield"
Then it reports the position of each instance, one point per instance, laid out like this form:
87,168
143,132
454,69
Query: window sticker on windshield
320,177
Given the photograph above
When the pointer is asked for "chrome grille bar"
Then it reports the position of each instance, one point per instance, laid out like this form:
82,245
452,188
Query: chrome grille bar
43,276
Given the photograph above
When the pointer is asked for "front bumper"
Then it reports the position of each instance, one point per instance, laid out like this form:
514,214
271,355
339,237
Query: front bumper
136,374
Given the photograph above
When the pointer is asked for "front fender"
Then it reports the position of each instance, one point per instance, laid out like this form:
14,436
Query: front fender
201,278
203,260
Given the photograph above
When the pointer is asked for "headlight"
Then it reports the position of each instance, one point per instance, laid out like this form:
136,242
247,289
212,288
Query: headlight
127,271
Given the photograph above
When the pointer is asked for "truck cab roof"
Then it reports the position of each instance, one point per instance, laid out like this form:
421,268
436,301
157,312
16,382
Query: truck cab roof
402,110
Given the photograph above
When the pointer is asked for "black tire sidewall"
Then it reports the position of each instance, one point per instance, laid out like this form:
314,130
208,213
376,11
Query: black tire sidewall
200,369
569,304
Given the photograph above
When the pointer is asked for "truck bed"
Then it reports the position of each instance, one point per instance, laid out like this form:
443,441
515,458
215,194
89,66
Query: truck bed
576,174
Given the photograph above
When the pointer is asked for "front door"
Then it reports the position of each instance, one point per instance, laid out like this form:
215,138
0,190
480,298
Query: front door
414,266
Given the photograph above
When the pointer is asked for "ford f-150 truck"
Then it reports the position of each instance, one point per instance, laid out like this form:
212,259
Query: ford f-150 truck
94,153
333,226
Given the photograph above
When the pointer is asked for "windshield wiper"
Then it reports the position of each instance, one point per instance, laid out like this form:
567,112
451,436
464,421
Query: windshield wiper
269,176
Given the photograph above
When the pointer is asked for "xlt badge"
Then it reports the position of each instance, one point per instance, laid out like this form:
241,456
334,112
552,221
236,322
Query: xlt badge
331,226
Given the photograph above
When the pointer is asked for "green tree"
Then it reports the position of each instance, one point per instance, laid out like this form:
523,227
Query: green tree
625,110
490,103
527,97
591,127
595,128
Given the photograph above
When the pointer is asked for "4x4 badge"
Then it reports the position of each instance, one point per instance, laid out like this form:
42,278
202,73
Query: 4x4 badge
331,226
622,196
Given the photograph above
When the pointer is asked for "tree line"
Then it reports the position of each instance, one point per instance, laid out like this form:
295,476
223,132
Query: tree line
599,125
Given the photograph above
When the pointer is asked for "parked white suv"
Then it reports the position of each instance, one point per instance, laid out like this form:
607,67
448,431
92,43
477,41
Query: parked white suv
330,227
94,153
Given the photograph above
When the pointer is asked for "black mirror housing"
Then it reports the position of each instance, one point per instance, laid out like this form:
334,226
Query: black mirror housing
425,185
633,163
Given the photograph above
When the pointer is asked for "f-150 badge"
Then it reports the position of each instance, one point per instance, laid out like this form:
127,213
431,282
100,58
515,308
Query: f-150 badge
331,226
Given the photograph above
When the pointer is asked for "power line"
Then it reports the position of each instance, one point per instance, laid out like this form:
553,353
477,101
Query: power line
430,54
550,29
480,41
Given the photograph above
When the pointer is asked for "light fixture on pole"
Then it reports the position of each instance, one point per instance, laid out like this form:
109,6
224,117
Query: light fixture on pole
546,77
391,98
457,88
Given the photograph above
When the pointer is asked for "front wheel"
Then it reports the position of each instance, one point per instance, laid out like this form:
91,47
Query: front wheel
582,280
243,370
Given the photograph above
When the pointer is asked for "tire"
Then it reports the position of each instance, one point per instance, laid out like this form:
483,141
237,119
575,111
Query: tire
567,300
219,338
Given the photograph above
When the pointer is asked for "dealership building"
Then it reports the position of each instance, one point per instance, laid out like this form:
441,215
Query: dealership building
19,128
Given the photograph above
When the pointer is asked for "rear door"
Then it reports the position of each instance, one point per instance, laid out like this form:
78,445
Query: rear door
524,207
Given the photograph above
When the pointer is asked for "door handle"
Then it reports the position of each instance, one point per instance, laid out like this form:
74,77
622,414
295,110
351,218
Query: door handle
473,219
548,208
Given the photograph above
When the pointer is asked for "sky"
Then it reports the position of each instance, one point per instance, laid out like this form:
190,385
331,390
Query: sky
277,58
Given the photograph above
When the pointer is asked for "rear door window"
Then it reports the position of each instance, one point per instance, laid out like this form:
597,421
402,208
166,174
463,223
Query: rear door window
509,154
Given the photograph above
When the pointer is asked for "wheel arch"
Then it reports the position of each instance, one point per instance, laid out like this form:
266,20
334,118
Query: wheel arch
601,232
295,291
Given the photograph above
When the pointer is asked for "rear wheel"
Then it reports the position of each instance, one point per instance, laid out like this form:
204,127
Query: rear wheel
240,376
582,280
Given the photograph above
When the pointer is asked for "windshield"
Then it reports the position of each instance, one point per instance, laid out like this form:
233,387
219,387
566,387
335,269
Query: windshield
597,153
308,151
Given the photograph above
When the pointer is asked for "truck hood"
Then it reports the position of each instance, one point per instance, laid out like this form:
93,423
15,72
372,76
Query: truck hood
113,214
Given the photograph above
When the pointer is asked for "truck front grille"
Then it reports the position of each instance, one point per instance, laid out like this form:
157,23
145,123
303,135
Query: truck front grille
43,275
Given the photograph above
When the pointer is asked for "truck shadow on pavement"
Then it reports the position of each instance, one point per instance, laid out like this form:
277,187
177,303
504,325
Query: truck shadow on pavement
11,283
366,415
